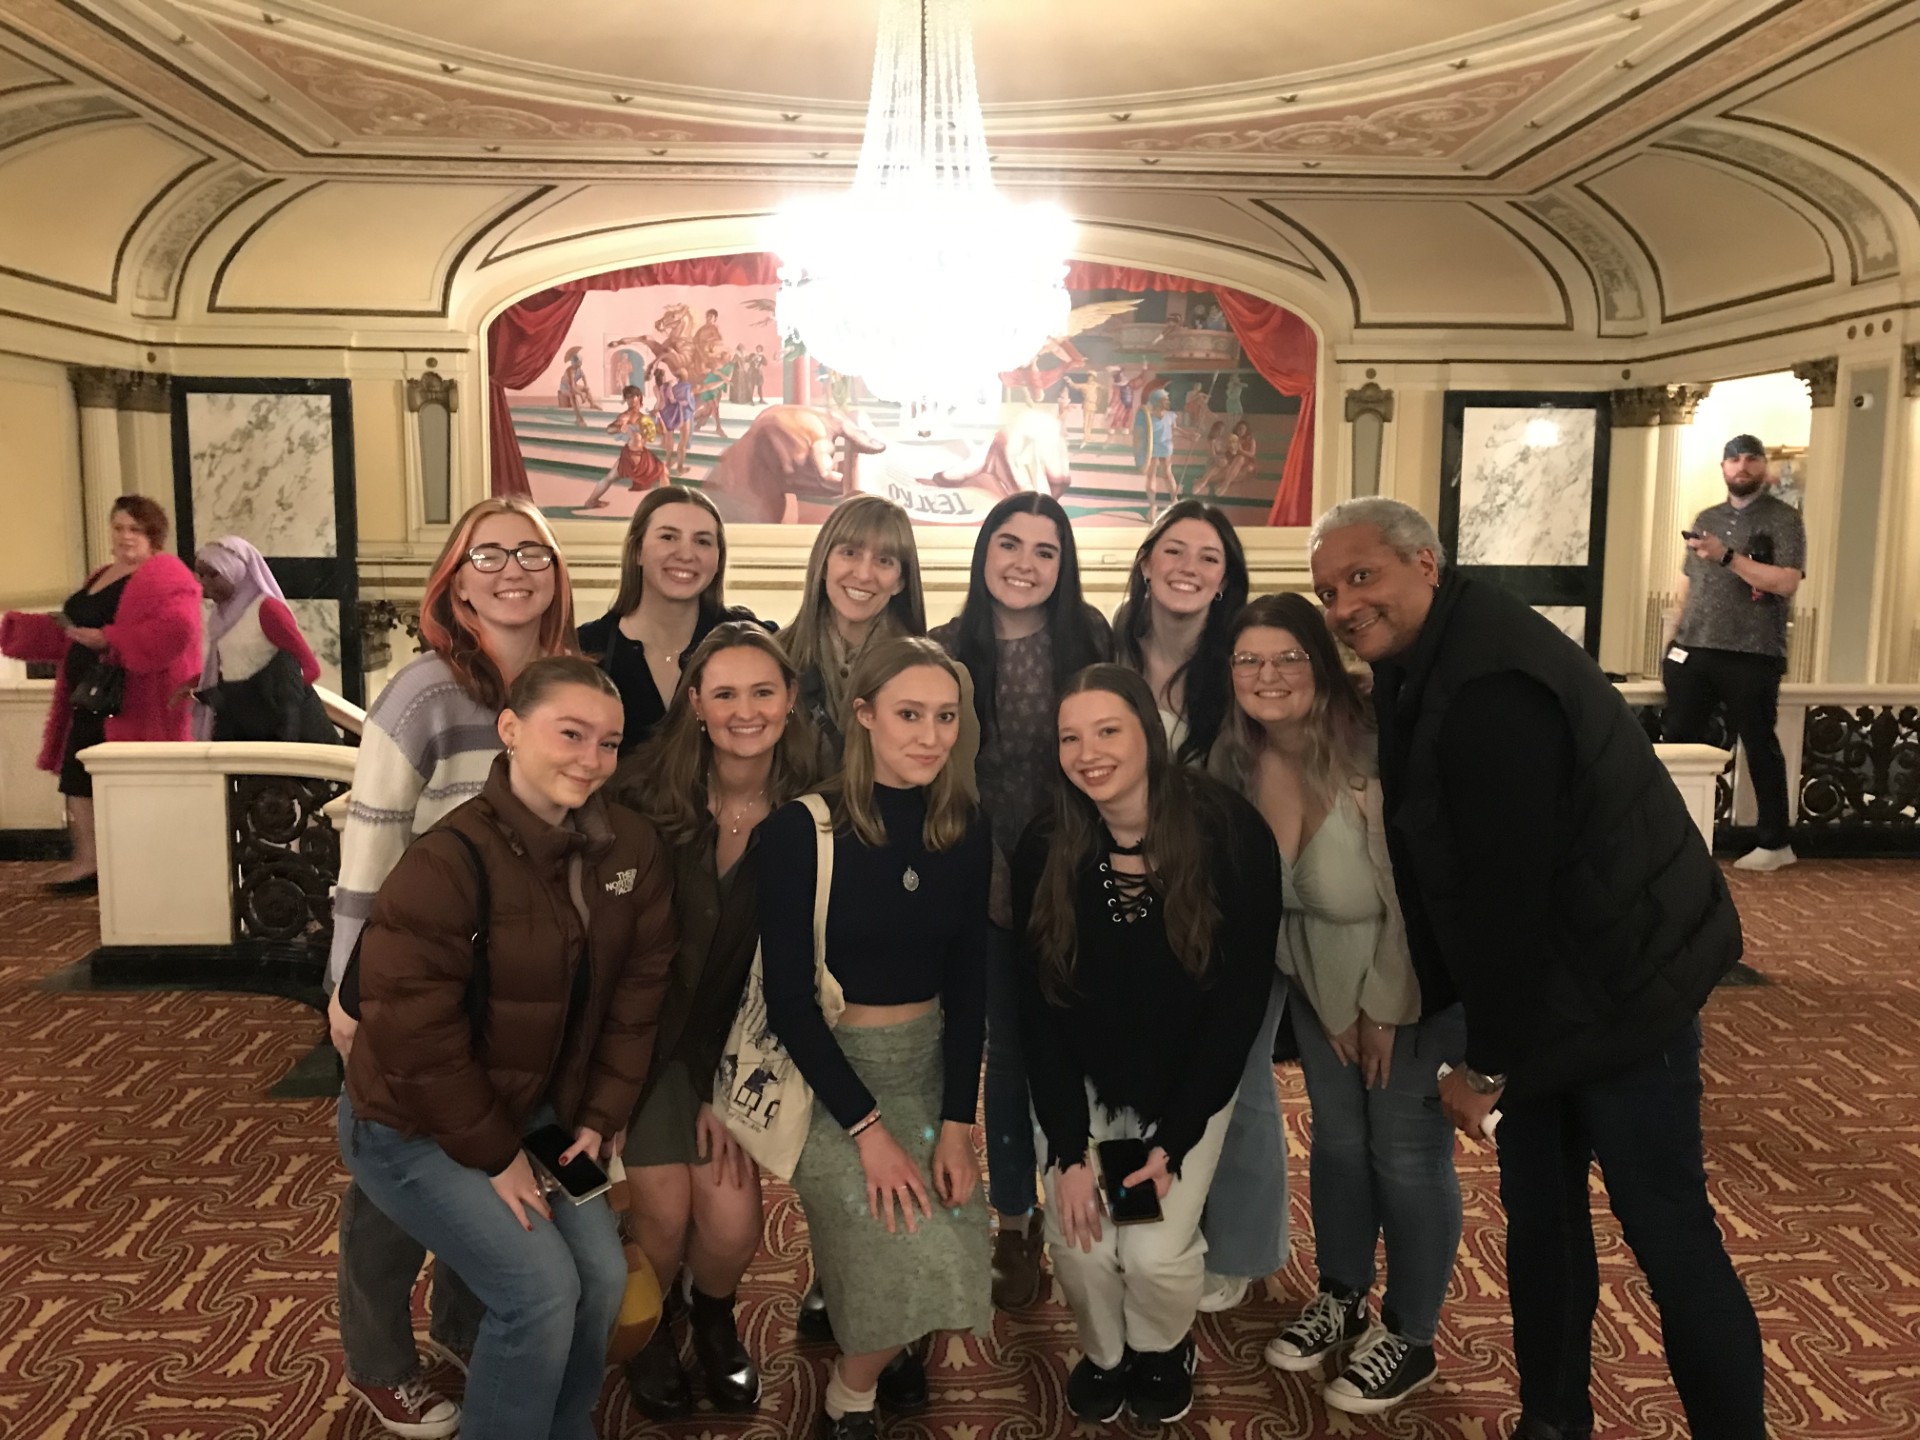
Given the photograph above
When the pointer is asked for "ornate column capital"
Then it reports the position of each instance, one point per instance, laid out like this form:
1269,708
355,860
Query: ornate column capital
146,391
378,619
433,388
95,387
1822,378
1910,370
1370,399
1646,405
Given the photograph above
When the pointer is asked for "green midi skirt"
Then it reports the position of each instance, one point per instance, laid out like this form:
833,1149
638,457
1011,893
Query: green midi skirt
887,1290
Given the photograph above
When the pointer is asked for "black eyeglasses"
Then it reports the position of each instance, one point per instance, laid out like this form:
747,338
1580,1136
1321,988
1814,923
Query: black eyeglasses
491,559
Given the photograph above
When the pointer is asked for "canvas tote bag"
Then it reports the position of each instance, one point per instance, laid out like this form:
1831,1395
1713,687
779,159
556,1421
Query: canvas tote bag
759,1091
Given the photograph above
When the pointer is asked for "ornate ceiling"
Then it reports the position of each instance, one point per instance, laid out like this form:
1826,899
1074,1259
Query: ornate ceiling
1404,167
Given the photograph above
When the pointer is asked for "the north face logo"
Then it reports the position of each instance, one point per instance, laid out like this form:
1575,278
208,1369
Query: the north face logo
621,883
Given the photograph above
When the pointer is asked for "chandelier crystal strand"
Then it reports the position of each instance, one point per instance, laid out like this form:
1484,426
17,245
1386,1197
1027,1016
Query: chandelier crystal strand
923,280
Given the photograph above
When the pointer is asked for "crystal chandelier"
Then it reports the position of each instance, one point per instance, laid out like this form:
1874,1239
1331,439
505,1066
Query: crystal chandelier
923,280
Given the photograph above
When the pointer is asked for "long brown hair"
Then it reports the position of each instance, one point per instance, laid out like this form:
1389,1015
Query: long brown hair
864,520
951,797
713,599
666,779
1341,742
1186,813
446,623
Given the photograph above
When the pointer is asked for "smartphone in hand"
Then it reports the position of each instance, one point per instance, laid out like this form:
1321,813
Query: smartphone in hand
1126,1205
579,1179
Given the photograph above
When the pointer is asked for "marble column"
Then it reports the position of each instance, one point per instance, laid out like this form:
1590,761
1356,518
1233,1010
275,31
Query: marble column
1901,654
97,392
1662,412
1807,648
1633,461
146,435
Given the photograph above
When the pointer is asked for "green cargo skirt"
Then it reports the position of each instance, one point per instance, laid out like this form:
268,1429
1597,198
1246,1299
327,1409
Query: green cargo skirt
887,1290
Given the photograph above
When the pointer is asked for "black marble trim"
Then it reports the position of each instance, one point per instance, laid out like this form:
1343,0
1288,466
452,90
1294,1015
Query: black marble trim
293,972
34,845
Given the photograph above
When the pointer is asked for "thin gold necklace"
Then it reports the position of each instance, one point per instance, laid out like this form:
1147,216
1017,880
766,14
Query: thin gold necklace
734,827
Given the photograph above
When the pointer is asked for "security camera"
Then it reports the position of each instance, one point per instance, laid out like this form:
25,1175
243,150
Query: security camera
1863,401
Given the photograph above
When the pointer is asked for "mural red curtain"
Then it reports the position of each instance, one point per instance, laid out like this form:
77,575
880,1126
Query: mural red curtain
1279,344
523,340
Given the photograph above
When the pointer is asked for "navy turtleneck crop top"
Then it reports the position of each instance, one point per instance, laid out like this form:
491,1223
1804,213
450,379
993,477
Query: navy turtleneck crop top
891,940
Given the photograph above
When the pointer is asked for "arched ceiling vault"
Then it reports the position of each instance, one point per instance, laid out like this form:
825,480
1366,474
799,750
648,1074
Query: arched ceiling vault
1566,179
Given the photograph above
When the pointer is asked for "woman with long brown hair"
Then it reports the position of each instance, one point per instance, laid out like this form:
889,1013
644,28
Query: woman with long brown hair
862,587
730,753
673,571
497,599
1301,746
896,1081
1146,900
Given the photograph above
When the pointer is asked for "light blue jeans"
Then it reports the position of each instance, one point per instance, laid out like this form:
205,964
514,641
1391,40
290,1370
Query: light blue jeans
1246,1219
551,1295
1382,1164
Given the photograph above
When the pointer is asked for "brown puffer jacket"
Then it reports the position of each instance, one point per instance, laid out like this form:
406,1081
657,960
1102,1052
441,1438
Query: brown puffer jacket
414,1066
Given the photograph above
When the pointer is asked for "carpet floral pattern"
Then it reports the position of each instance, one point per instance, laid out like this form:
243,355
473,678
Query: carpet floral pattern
167,1231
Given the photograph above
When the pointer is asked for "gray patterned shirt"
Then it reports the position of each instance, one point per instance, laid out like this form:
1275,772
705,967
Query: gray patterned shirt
1723,611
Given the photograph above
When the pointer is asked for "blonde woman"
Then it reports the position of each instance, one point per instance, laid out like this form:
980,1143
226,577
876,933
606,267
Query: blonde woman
862,587
896,1083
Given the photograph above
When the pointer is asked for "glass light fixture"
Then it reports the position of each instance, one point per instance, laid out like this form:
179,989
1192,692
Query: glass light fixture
923,280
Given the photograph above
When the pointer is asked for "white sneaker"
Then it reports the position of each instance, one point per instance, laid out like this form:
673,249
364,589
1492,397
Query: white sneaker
1223,1292
1758,859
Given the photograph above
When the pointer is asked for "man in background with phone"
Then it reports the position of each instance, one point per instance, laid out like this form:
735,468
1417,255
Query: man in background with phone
1745,558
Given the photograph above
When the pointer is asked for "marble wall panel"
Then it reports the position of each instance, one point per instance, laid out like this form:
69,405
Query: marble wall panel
320,623
262,468
1526,485
1572,620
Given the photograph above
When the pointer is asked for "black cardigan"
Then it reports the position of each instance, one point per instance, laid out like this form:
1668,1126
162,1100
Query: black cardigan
625,662
1149,1037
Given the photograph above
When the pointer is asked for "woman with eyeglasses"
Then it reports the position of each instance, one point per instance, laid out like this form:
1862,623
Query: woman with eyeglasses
1146,900
497,599
1022,634
673,568
1301,746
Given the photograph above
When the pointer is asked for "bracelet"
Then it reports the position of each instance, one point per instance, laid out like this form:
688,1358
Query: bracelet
854,1131
1726,559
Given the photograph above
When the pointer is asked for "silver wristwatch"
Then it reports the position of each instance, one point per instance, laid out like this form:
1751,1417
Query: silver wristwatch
1482,1084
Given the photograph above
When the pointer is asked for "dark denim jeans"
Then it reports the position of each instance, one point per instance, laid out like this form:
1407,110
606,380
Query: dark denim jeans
378,1264
1643,1125
1381,1164
1008,1113
552,1293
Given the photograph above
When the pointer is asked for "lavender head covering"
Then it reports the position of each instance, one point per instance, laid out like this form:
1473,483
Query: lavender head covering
242,566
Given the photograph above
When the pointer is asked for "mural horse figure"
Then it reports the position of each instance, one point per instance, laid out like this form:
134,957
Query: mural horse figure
788,450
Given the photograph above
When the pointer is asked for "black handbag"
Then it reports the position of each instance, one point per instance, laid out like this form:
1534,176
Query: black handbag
103,690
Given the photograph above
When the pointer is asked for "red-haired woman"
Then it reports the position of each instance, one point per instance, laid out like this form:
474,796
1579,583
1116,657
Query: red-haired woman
498,599
140,611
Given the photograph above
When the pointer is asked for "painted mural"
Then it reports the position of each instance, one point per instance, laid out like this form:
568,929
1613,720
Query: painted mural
1148,397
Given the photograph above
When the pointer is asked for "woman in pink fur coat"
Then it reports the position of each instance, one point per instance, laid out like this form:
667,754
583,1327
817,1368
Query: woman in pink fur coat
141,611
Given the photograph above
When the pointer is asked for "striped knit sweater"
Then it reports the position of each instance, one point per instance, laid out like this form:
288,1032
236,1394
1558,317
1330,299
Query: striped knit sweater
426,749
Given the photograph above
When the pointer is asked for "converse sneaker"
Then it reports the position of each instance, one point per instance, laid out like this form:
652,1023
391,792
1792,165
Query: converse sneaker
1098,1395
1383,1371
1329,1322
410,1410
1223,1292
1160,1384
1761,859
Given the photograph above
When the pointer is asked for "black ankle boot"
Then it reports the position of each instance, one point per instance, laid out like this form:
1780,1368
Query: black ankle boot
656,1381
903,1384
733,1380
813,1326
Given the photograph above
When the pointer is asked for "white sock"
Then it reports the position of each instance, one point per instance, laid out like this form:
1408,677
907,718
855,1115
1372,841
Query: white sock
842,1397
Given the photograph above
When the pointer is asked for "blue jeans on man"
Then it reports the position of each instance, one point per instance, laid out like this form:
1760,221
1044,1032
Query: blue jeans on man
1381,1164
551,1295
1642,1124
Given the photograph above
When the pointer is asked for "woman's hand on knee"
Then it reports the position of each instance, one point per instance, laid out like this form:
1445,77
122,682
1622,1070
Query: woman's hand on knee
891,1175
715,1144
955,1168
1077,1198
1345,1043
520,1192
341,1027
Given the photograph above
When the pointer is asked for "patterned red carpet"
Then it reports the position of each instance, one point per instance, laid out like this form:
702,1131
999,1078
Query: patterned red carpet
167,1232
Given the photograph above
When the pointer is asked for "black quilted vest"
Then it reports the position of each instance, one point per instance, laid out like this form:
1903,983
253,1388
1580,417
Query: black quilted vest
1644,926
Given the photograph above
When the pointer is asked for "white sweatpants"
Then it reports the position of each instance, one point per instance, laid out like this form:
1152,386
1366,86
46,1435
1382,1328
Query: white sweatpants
1141,1284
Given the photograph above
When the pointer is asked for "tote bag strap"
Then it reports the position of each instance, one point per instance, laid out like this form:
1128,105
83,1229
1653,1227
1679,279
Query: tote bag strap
825,986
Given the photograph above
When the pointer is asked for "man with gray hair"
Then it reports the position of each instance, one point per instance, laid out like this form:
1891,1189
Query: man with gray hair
1554,884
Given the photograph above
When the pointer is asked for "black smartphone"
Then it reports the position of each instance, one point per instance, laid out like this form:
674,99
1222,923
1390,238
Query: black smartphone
580,1178
1690,534
1135,1205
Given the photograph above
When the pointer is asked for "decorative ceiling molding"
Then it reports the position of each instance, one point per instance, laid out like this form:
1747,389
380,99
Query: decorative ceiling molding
20,123
1616,280
177,234
1869,236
